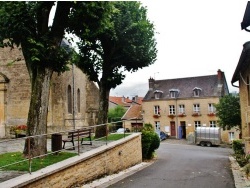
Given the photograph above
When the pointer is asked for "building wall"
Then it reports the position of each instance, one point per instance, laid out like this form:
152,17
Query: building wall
165,120
15,97
245,108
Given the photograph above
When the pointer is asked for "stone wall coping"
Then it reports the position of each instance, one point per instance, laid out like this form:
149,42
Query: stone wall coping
34,176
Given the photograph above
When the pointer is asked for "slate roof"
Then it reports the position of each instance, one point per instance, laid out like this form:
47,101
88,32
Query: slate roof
243,62
209,85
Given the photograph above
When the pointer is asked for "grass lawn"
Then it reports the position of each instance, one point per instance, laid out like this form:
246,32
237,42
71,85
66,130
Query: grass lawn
36,163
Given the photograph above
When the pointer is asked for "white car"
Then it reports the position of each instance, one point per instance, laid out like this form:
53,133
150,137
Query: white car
121,130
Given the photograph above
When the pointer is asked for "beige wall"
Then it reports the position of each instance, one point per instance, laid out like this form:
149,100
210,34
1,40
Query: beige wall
105,160
245,108
16,96
148,108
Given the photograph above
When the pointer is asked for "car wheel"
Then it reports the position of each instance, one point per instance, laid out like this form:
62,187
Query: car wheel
202,144
209,144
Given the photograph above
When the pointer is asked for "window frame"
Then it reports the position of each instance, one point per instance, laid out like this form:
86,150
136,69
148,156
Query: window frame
172,110
157,110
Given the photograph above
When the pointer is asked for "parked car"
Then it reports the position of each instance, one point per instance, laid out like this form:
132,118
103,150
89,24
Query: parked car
121,130
162,135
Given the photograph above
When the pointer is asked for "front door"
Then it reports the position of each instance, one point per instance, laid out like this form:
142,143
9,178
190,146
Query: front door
183,129
173,130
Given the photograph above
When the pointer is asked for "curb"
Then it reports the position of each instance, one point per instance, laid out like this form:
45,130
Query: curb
240,179
114,178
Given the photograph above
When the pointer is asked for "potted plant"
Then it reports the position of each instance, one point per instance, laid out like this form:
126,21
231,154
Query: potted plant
196,114
211,114
181,115
171,116
156,115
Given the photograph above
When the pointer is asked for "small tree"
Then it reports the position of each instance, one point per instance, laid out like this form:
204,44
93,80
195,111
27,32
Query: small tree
228,112
115,114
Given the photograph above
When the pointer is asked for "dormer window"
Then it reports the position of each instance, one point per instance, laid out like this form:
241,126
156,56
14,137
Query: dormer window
197,92
158,94
174,93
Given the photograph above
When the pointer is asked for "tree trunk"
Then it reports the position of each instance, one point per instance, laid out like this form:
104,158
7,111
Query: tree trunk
38,111
103,110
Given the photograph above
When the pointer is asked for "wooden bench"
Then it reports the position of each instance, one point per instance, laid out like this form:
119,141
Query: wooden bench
80,133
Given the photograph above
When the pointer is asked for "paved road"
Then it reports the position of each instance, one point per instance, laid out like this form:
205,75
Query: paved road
184,166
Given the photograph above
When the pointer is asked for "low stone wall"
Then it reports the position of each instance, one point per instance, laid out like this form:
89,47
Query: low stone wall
105,160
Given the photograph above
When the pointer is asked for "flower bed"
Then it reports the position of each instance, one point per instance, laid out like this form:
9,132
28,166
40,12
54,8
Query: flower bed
18,130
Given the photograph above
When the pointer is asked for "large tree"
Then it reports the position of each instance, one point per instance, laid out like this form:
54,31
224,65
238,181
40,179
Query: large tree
26,25
228,112
126,43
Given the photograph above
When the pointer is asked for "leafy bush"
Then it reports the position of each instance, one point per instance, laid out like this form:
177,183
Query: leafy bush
150,141
238,147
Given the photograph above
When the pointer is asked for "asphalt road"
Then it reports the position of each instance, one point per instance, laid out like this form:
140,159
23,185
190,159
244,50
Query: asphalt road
184,166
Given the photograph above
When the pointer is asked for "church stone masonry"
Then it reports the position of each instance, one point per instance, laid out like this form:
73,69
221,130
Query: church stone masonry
71,89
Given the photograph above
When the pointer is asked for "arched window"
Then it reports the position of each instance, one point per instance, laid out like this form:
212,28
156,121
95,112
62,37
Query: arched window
69,100
78,101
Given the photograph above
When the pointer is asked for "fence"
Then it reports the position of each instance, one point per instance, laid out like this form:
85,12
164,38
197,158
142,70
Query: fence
54,143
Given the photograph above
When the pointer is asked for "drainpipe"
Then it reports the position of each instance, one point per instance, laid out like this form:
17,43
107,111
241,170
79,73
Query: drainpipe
73,88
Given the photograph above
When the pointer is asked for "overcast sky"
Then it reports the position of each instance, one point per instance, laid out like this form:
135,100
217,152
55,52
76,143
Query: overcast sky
196,38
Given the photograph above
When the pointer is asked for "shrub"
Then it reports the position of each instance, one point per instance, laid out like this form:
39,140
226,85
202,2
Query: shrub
150,141
238,147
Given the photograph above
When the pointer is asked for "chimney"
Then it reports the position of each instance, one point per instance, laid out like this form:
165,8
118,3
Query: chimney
123,99
151,83
219,74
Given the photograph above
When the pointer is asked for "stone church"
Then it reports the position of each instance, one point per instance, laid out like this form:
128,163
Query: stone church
73,99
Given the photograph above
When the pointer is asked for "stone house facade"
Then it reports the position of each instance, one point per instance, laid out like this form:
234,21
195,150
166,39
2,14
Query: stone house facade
73,99
178,106
242,76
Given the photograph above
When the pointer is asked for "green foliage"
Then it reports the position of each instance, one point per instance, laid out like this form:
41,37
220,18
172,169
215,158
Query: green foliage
228,112
237,146
148,127
26,24
115,114
150,142
125,42
239,153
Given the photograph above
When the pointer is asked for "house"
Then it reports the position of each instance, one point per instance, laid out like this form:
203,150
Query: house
73,98
241,80
178,106
132,118
123,101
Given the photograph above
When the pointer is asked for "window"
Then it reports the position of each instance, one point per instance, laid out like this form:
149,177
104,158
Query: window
157,110
212,123
157,126
196,92
196,108
211,108
78,101
181,109
174,93
231,136
171,109
158,94
197,123
69,93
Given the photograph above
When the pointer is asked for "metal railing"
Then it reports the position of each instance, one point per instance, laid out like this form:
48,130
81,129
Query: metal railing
15,144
